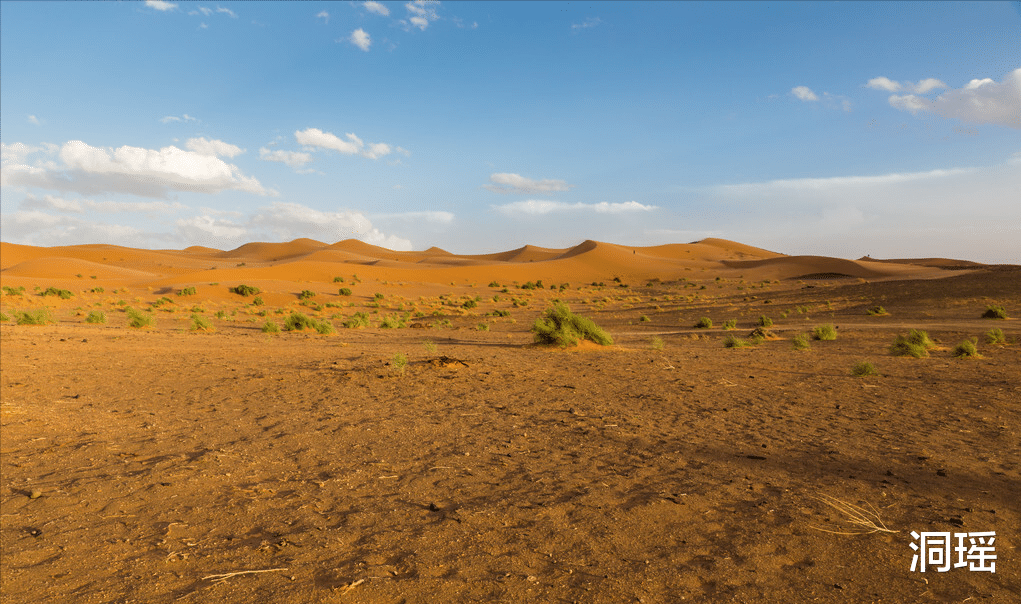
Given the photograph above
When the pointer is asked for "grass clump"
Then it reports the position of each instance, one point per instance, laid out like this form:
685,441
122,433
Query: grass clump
967,349
915,344
657,344
13,291
4,317
96,316
995,336
399,363
188,291
735,342
39,316
344,291
825,332
246,290
482,327
429,347
270,327
297,321
644,319
562,327
200,323
392,322
863,369
499,312
730,324
63,294
877,311
704,323
139,319
800,342
338,279
765,321
306,294
357,321
324,327
992,312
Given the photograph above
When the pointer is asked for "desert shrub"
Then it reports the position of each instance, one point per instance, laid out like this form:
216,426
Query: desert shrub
63,294
995,336
378,296
258,301
657,344
644,319
704,323
96,316
358,320
733,341
298,322
863,369
824,332
429,347
139,319
482,327
270,327
200,323
246,290
730,324
992,312
160,302
4,317
39,316
470,304
392,322
494,284
877,311
306,294
97,290
338,279
324,327
529,285
562,327
188,291
398,363
221,314
765,321
966,349
197,308
499,312
801,342
13,291
915,344
344,291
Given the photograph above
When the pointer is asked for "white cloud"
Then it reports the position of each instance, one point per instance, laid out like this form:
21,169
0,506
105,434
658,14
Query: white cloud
422,13
587,23
817,185
203,26
213,147
207,229
80,206
174,118
294,159
226,11
923,86
804,93
39,228
160,5
325,16
540,207
376,7
34,120
515,183
361,39
314,137
438,217
980,101
147,172
287,221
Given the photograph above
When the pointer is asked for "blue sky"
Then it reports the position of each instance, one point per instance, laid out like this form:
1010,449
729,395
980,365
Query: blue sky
842,129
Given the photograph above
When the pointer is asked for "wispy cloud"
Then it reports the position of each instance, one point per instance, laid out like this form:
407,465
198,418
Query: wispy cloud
420,14
980,101
376,7
294,159
586,24
80,206
160,5
316,138
830,101
438,217
34,120
226,11
540,207
804,93
213,147
173,118
515,183
325,16
361,39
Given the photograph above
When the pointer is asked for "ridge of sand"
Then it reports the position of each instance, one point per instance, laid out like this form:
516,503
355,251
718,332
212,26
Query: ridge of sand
794,267
933,262
266,252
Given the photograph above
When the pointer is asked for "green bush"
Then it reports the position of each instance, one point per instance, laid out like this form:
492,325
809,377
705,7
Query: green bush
877,311
97,290
399,362
378,296
188,291
992,312
63,294
482,327
915,344
824,332
765,321
245,290
499,312
644,319
344,291
528,285
470,304
358,320
96,316
270,327
199,323
298,322
4,317
139,319
13,291
966,349
39,316
732,341
494,284
704,323
562,327
392,322
728,324
863,369
306,294
258,301
338,279
324,327
800,342
995,336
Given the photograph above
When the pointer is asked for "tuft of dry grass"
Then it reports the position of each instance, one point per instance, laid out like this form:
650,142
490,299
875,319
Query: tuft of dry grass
863,521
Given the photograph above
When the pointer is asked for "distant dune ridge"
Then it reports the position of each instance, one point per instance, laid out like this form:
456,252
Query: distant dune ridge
314,261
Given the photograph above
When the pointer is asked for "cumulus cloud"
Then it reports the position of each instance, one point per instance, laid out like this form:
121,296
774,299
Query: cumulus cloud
294,159
173,118
361,39
804,93
325,16
314,137
540,207
503,182
421,14
213,147
89,170
160,5
34,227
376,7
287,221
980,101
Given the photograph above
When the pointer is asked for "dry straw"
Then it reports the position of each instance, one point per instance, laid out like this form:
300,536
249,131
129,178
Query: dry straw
866,521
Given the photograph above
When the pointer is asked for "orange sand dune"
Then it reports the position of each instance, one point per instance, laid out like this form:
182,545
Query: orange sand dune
317,263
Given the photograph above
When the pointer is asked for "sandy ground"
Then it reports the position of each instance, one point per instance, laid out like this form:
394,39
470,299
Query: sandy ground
148,465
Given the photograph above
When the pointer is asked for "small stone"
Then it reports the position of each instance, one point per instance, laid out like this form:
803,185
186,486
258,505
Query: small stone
35,494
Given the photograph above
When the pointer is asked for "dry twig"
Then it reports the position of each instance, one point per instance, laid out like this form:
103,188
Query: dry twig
225,576
867,519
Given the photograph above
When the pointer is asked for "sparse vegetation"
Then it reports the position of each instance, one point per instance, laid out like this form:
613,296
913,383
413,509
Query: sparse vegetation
258,301
994,312
801,342
63,294
378,296
297,321
4,317
96,316
200,323
246,290
733,341
562,327
482,327
40,316
13,291
392,322
344,291
915,344
967,349
471,303
270,327
306,294
877,311
657,343
730,324
188,291
399,363
704,323
765,321
429,347
644,319
494,284
825,332
338,279
139,319
863,369
358,320
995,336
499,312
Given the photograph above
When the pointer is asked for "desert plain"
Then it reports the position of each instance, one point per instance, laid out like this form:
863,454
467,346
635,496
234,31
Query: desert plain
430,451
